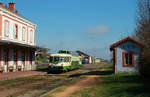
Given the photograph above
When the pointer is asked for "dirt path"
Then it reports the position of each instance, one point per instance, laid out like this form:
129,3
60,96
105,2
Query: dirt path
86,82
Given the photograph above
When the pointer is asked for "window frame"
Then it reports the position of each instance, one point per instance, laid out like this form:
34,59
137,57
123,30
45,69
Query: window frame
124,59
6,29
16,28
31,36
23,33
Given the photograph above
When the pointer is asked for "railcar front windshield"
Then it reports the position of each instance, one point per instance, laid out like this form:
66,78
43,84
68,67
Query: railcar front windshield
59,59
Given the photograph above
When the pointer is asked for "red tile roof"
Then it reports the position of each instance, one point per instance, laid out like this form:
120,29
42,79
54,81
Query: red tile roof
125,40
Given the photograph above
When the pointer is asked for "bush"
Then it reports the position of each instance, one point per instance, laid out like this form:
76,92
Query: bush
144,66
143,34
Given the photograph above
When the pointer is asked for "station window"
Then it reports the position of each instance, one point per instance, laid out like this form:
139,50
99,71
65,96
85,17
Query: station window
128,59
23,33
6,28
31,36
15,30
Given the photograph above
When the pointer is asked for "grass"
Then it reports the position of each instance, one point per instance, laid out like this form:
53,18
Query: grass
60,89
41,83
17,79
25,85
107,85
107,66
116,85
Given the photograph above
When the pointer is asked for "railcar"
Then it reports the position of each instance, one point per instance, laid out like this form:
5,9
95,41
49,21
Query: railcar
64,61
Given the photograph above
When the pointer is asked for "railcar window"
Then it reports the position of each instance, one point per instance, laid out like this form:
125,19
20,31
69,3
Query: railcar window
60,59
51,59
56,59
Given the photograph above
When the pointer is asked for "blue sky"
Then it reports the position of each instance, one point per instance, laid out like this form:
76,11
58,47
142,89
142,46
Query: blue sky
87,25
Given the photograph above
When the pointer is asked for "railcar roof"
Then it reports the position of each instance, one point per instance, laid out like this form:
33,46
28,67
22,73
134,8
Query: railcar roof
61,55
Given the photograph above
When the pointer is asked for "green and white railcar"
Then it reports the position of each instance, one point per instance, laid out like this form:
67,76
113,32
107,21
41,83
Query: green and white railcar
64,61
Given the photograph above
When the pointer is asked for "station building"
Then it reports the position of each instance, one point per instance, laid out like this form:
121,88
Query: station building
17,40
86,59
126,55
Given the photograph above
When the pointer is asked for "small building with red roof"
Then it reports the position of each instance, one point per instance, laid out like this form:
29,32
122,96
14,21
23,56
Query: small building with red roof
126,55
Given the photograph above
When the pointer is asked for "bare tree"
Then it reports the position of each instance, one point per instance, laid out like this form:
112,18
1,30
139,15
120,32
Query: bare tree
143,34
42,55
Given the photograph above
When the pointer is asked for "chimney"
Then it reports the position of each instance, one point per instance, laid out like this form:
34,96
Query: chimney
11,6
1,4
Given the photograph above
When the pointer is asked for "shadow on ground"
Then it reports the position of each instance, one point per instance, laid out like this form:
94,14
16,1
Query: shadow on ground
93,73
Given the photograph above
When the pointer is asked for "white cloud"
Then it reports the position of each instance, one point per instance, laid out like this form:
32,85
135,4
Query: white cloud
98,29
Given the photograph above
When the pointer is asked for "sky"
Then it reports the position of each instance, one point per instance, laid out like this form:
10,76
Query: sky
87,25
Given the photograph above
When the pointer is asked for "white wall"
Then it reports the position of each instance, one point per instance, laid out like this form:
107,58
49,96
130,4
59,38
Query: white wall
14,20
28,65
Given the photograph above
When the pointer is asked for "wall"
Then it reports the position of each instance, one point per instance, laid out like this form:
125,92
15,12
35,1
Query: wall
127,46
28,64
13,19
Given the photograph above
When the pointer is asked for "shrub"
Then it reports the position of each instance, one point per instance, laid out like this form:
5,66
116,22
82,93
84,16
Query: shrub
143,34
144,66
